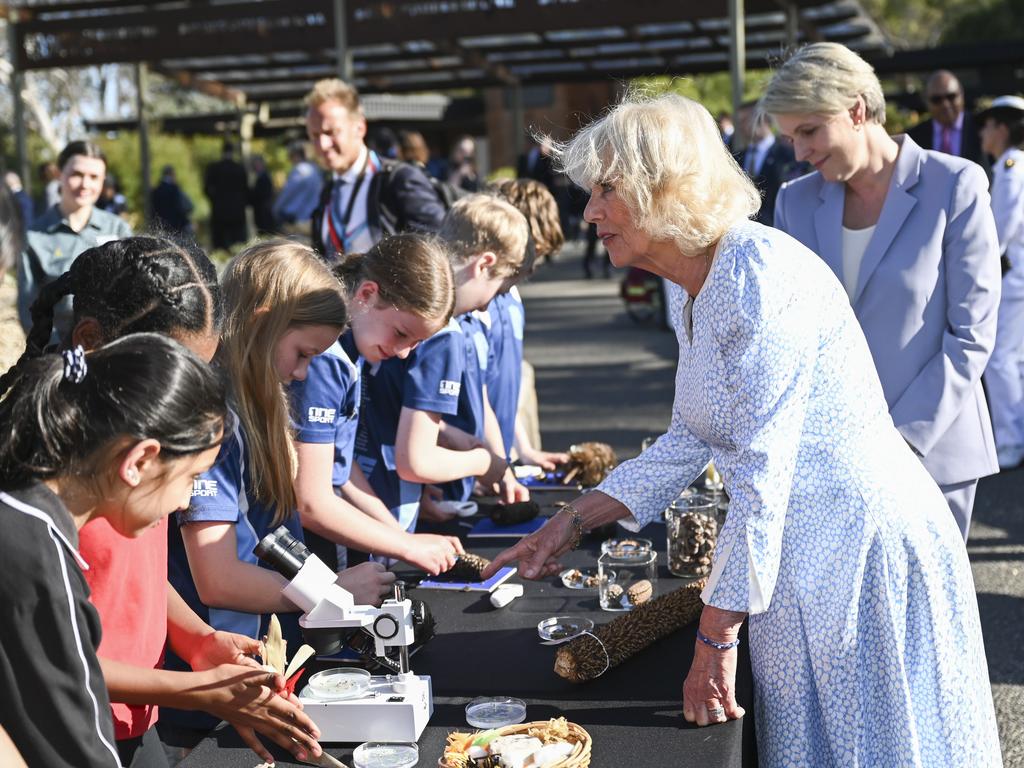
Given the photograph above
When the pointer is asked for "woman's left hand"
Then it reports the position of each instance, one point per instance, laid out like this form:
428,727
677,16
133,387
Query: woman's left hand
709,693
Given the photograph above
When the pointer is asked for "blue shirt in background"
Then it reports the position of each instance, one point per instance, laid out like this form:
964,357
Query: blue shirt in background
325,407
469,417
505,320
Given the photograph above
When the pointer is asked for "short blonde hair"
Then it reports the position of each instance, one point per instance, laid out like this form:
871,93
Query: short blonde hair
333,89
667,161
823,79
538,205
480,223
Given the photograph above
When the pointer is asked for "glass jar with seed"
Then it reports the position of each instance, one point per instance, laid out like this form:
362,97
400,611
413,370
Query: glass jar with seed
691,523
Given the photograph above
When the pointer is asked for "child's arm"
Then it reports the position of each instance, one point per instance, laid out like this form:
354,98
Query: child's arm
510,489
358,492
530,455
330,516
419,459
224,581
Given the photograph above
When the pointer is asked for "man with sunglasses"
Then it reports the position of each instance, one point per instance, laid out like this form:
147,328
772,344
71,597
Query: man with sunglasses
950,129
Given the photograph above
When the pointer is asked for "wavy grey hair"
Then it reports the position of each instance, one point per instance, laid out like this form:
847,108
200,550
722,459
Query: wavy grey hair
825,79
667,161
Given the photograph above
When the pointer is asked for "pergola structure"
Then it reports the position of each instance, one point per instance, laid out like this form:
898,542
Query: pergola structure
262,56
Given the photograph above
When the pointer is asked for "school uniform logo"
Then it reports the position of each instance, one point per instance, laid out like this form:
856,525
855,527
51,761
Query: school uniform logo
204,488
450,388
321,415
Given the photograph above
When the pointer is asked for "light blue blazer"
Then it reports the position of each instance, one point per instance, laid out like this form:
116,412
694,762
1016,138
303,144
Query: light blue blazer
927,296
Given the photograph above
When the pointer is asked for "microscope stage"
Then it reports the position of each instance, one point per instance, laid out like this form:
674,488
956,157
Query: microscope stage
394,709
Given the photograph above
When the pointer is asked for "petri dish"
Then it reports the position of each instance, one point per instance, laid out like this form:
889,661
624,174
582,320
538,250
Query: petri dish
378,754
495,711
562,628
579,578
627,549
339,683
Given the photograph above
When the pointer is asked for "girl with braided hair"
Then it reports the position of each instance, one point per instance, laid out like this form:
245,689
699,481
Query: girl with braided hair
150,284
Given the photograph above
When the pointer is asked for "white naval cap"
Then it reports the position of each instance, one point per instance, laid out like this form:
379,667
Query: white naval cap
1006,102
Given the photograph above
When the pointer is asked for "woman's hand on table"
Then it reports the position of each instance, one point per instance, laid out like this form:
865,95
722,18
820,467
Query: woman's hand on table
255,701
369,583
537,553
709,692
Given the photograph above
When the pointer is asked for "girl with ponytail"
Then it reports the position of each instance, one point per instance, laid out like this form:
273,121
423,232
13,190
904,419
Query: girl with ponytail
118,435
399,293
127,286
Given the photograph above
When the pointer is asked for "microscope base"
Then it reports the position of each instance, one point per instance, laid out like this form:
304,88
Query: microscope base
394,710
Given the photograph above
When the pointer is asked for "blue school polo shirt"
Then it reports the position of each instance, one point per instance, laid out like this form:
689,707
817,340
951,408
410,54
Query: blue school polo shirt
469,417
505,320
429,379
224,493
325,407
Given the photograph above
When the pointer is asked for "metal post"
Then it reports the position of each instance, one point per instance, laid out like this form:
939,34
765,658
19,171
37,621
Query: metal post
737,51
17,86
344,54
518,122
792,26
141,88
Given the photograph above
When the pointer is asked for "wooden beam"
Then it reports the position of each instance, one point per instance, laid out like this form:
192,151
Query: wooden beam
194,82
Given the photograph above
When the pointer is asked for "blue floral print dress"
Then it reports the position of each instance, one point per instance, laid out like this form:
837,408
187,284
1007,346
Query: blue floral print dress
865,639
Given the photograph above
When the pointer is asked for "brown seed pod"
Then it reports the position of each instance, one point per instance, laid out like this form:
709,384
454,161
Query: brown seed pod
589,463
468,567
640,592
584,658
515,513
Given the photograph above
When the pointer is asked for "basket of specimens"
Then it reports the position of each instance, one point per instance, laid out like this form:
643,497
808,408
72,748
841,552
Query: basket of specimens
554,743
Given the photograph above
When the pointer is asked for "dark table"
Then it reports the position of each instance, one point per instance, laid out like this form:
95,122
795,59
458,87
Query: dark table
633,712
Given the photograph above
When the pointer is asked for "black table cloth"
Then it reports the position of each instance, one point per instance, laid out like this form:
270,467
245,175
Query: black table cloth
633,712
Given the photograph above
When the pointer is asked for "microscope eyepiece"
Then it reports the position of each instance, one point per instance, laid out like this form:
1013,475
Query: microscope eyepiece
283,552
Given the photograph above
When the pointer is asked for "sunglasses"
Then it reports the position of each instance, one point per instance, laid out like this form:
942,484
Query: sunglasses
938,98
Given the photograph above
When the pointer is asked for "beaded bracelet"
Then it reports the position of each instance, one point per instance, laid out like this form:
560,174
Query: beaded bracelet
576,521
715,644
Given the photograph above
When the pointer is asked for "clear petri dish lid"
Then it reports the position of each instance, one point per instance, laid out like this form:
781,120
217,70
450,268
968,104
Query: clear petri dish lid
579,578
560,629
627,549
339,683
378,754
495,711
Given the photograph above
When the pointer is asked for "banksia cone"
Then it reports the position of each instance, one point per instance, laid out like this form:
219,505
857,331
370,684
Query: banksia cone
583,659
515,513
468,567
589,463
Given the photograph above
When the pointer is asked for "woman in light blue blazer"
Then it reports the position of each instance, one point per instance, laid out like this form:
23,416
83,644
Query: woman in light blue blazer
910,234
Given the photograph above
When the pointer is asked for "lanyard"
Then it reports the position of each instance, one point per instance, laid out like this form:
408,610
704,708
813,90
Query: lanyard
340,240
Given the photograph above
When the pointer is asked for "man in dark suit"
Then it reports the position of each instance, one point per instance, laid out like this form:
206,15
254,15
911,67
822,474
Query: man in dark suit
768,162
226,184
365,196
950,128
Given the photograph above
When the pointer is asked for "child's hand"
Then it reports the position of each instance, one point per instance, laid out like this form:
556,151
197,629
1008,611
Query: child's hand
434,554
247,698
218,648
429,509
546,460
369,583
511,490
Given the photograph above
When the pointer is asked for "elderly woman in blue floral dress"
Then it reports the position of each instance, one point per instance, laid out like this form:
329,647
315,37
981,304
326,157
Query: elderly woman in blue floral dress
839,549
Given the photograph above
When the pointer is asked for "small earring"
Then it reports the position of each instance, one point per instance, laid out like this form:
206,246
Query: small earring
133,476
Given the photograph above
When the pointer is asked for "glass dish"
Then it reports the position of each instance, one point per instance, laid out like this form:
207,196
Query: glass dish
626,548
579,578
377,754
339,683
559,629
626,582
495,711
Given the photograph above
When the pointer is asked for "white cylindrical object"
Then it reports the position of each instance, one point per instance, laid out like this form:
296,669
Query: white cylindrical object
311,584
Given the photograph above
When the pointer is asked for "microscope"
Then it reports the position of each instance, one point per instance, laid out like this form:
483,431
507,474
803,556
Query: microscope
392,707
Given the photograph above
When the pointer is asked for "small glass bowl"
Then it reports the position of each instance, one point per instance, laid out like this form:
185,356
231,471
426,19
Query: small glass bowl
377,754
562,628
495,712
339,683
625,549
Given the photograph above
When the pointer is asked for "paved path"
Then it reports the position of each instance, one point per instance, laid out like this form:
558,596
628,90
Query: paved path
602,377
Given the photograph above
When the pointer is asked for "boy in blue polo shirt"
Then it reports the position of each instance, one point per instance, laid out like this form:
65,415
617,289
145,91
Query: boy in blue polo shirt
426,419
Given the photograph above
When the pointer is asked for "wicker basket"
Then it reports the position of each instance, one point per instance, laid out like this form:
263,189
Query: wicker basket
579,738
